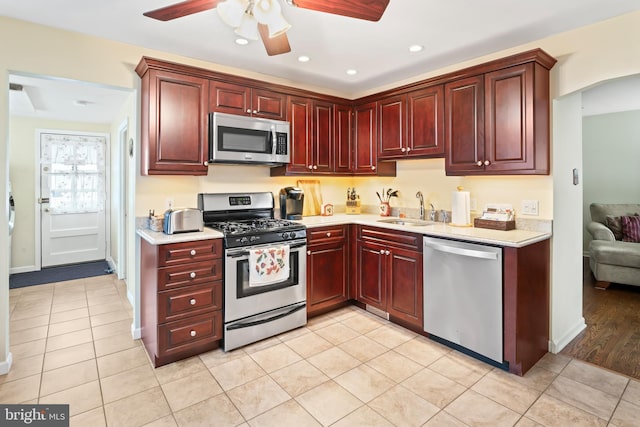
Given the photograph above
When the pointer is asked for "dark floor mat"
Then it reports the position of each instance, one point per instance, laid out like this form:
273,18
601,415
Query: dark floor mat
59,274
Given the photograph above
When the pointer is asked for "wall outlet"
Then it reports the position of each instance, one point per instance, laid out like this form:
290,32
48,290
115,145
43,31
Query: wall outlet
530,207
168,203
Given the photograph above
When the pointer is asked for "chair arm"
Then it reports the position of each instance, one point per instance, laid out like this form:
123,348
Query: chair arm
600,231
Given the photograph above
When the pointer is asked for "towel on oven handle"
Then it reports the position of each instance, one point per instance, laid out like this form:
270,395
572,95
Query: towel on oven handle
268,265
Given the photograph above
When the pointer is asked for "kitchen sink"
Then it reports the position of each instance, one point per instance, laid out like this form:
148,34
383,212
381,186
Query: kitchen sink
406,221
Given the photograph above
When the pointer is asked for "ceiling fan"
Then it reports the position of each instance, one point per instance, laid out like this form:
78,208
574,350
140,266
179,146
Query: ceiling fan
264,15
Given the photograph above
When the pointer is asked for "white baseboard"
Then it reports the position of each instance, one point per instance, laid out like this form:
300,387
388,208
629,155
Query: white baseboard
136,333
557,345
6,365
23,269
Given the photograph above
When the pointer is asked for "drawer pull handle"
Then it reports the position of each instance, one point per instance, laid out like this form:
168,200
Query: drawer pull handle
386,252
192,301
381,251
192,333
329,234
193,252
308,252
192,275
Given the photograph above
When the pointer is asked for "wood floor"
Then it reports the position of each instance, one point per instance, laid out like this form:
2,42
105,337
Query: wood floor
612,336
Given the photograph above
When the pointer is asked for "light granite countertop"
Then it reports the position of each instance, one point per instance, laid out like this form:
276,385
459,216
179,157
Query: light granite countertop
513,238
159,238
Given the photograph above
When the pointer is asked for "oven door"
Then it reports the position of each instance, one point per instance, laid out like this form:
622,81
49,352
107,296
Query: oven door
242,300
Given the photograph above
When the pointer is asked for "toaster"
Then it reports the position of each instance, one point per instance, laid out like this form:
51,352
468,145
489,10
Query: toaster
182,220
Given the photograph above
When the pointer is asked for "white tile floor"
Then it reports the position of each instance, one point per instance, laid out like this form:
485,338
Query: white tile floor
71,343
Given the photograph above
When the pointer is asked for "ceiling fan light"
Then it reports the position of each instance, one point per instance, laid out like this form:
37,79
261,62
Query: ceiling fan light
278,26
232,11
266,10
248,28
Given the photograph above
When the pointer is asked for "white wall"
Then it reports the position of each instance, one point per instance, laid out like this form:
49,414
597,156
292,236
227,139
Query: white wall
611,151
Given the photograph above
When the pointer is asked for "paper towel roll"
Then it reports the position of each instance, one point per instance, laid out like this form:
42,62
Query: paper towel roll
460,208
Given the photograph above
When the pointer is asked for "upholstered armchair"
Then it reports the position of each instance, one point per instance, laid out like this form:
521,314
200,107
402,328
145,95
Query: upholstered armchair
614,252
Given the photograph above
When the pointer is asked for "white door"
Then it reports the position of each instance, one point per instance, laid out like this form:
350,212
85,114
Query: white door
72,197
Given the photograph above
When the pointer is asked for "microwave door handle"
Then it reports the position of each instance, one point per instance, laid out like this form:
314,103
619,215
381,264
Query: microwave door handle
274,140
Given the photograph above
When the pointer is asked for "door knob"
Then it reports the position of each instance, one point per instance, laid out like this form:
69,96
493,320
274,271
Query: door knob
479,163
192,301
487,162
193,252
192,275
193,333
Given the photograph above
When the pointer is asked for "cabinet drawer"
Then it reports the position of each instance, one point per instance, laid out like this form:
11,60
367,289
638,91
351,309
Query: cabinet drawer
391,237
178,336
179,253
189,274
193,300
317,235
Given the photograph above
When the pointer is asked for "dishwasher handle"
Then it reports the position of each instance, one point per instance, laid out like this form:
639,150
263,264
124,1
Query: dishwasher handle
461,251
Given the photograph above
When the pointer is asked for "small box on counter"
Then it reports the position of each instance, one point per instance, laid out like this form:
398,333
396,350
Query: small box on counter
497,217
495,224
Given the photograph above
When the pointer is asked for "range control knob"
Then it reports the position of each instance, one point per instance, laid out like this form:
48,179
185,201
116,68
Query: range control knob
244,240
253,238
284,235
292,234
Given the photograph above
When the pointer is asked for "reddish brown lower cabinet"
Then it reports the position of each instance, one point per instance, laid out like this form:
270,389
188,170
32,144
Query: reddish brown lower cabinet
389,273
526,273
181,298
327,268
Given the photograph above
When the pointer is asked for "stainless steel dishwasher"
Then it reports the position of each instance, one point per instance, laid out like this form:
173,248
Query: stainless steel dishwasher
463,295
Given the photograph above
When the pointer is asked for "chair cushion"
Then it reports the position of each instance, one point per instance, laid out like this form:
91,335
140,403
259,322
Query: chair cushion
625,254
630,228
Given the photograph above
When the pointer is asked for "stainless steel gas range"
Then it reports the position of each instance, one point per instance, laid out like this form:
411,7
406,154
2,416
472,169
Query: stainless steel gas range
265,285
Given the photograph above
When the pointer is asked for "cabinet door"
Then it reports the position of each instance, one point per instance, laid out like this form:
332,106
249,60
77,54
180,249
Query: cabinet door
365,139
176,138
509,129
342,139
322,142
300,116
425,123
404,278
392,129
464,126
326,276
229,98
370,279
268,104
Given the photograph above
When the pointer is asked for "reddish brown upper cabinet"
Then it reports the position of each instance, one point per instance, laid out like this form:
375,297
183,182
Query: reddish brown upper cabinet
389,273
497,122
365,143
342,139
311,137
327,268
174,128
412,124
246,101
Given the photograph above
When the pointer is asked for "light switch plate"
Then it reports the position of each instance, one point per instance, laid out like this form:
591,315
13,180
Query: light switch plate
530,207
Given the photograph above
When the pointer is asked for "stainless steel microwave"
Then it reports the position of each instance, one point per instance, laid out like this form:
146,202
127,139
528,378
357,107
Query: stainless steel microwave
248,140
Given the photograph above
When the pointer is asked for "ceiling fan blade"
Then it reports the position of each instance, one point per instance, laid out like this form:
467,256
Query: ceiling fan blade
181,9
370,10
276,45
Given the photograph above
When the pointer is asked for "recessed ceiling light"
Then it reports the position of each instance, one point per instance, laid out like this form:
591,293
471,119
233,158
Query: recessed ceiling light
242,42
352,72
415,48
304,58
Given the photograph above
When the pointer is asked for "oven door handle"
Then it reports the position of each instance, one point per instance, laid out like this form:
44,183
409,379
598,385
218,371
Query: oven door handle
243,253
270,319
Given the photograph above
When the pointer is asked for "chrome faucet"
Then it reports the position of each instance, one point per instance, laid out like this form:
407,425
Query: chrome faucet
432,214
419,196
